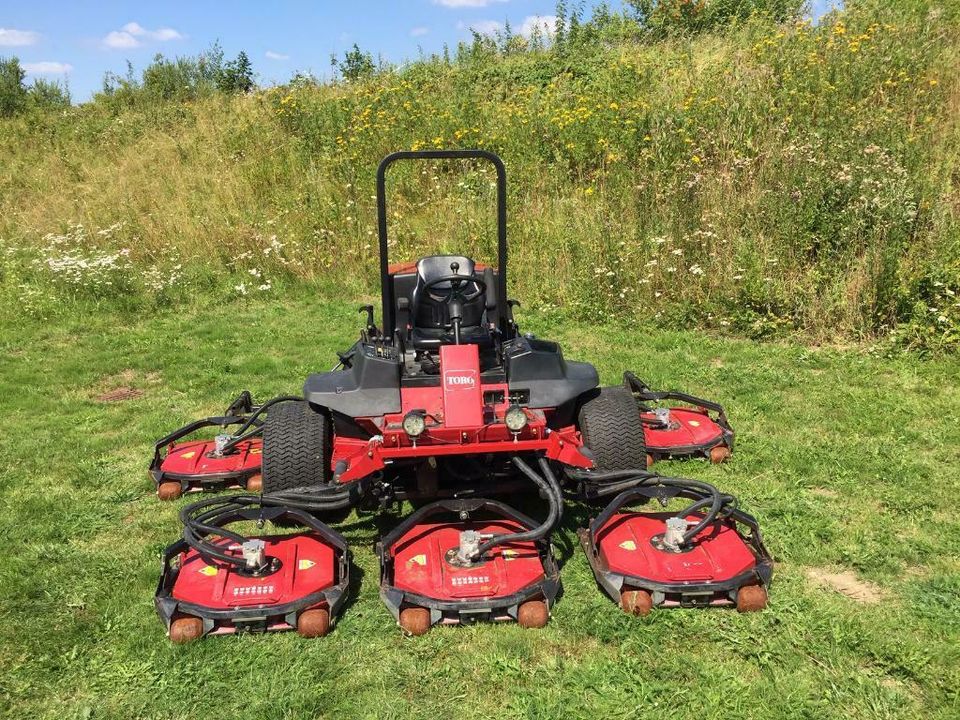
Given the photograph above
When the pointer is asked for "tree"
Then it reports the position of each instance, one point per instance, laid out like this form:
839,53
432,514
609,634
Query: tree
668,16
356,64
13,94
237,75
48,94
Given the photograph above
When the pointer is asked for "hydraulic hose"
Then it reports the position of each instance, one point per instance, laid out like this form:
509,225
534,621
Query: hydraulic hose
240,437
210,516
549,485
613,482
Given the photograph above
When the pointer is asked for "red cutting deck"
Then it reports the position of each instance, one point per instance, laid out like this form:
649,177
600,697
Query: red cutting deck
718,552
688,428
196,460
307,565
421,567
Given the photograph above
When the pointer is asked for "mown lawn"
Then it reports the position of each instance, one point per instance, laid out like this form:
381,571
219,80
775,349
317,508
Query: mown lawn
850,461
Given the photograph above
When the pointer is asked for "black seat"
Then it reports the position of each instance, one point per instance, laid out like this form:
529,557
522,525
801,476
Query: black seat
429,313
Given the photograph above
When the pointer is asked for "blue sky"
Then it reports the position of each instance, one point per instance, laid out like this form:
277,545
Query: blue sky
80,41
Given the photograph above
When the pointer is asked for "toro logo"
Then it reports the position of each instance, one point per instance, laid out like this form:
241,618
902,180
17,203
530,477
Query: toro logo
463,380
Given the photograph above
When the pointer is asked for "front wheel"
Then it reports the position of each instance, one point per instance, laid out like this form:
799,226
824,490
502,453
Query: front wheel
610,425
297,444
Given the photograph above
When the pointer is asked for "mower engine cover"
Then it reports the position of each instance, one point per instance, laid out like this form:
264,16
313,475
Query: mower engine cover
423,584
637,565
302,589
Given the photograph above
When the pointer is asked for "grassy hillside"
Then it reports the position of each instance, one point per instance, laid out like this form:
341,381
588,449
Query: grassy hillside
759,179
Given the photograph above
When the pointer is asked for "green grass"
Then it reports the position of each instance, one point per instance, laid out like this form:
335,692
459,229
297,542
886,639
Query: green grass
849,461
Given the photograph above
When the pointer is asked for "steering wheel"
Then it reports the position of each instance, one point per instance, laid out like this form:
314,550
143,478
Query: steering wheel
456,282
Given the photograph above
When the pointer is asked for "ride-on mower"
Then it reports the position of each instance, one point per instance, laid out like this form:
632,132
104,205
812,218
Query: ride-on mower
447,405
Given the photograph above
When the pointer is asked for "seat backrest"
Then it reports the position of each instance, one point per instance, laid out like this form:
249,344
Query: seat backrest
429,308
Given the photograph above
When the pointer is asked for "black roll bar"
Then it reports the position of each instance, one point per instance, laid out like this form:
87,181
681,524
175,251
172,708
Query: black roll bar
386,288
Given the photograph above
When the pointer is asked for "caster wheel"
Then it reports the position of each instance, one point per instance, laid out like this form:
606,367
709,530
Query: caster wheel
169,490
255,483
533,614
313,623
636,602
186,629
751,598
415,620
719,453
650,460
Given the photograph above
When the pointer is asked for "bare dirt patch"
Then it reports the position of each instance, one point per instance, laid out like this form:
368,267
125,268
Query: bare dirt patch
847,584
119,394
824,492
124,385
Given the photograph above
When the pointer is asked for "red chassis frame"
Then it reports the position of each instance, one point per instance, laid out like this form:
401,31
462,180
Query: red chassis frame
462,417
355,458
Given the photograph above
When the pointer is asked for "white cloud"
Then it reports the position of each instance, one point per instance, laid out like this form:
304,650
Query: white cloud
271,55
419,31
118,40
484,27
466,3
17,38
47,67
134,34
165,34
546,23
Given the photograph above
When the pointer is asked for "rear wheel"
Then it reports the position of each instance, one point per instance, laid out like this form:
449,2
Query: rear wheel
296,448
636,602
313,623
611,428
415,620
533,614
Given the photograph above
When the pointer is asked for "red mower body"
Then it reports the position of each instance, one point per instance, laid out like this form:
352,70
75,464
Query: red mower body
199,596
463,416
181,465
419,575
626,552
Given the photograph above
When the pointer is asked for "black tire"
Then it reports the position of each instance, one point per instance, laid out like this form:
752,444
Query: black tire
611,428
296,448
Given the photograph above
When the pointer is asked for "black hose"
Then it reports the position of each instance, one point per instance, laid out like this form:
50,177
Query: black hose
238,435
610,482
237,439
613,482
548,484
210,516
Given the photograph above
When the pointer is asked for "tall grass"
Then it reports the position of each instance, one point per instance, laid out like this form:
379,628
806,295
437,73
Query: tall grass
761,179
